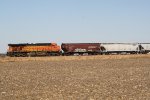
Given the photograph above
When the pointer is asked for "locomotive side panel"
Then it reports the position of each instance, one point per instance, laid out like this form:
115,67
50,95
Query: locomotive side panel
39,49
50,48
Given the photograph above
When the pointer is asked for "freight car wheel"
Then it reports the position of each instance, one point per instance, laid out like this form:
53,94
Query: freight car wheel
85,54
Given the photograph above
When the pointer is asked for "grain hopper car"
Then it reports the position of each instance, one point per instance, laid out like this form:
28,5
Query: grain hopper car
81,48
145,48
120,48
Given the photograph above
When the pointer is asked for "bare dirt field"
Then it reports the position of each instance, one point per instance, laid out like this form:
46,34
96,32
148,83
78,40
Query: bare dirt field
121,77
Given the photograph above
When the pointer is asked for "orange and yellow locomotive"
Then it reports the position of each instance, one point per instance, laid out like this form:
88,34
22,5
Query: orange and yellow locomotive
37,49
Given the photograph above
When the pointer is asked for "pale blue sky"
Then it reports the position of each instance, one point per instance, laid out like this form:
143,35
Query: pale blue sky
31,21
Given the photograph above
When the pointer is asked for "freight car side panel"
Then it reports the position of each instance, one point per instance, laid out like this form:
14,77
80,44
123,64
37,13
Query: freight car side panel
120,47
81,47
145,47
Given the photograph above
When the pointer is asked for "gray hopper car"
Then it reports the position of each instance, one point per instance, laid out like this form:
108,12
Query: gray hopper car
145,47
120,48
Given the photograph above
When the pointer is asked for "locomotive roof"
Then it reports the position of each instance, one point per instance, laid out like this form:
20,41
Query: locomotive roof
30,44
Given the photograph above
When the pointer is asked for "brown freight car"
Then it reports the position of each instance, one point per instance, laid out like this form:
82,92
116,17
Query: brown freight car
81,48
37,49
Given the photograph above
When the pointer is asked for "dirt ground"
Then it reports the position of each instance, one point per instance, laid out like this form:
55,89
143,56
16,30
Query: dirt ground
127,78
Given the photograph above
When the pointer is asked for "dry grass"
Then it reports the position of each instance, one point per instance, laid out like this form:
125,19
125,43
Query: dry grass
122,77
62,58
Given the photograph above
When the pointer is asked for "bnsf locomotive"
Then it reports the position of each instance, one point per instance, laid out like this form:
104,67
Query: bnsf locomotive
52,49
38,49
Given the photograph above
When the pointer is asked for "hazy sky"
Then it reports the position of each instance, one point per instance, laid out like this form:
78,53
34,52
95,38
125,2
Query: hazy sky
31,21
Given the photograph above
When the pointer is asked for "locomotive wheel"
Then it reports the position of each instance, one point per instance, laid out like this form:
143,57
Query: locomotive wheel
23,55
11,55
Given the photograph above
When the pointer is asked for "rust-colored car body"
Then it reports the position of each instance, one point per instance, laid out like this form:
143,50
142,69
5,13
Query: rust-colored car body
90,48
